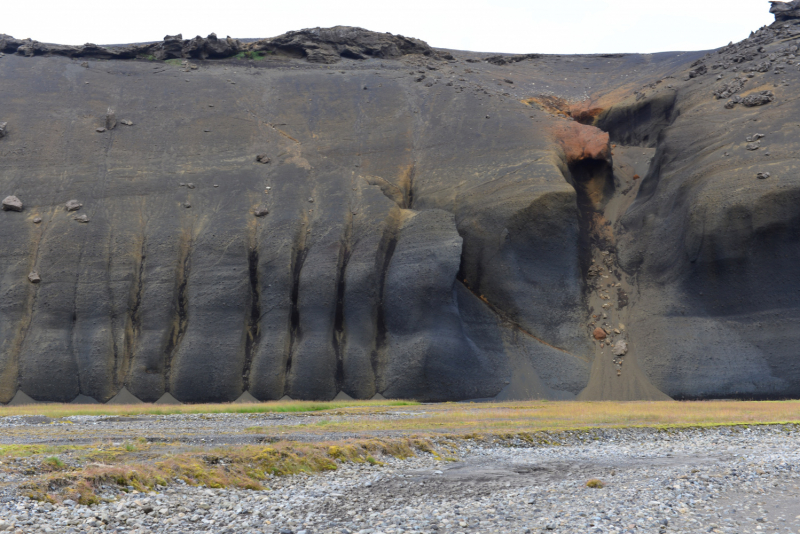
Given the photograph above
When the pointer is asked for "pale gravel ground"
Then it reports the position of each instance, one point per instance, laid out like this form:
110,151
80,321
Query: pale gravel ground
188,428
730,480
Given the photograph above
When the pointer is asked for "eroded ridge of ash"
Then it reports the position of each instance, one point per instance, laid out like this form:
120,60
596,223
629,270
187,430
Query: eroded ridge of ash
317,45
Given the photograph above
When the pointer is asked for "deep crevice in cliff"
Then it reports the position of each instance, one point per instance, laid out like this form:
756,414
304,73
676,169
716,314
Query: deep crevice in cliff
339,333
134,323
641,122
408,186
253,329
593,180
180,315
385,254
338,319
295,331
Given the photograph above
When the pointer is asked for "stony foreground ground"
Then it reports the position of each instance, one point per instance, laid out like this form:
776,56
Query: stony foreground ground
725,479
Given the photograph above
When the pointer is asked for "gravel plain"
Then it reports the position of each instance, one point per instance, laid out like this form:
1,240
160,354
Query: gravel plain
198,429
725,479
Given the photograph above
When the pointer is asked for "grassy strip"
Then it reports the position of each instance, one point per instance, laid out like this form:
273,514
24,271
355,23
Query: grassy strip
66,410
550,416
22,451
244,467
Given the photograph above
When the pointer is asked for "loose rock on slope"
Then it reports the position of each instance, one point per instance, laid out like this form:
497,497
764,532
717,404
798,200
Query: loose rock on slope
12,203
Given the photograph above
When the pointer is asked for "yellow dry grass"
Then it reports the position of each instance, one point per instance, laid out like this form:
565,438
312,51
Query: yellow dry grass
493,418
65,410
238,466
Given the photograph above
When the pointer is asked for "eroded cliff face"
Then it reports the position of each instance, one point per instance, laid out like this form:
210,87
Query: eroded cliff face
408,223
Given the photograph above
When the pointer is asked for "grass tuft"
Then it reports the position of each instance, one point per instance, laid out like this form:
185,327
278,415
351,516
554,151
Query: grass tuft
54,461
243,466
595,483
255,55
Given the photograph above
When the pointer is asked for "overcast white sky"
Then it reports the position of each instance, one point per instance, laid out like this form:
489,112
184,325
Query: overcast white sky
552,26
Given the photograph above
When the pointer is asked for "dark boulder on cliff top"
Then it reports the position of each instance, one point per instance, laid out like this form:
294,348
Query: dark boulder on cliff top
329,45
785,10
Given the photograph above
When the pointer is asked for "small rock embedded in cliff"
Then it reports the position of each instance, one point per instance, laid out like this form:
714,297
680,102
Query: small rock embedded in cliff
599,334
34,277
82,218
260,211
73,205
622,298
263,158
620,348
594,270
700,69
729,89
12,203
111,119
3,126
764,97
